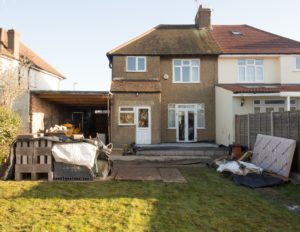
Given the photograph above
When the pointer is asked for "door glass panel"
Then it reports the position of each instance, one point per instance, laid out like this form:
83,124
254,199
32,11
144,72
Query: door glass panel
143,118
191,125
181,125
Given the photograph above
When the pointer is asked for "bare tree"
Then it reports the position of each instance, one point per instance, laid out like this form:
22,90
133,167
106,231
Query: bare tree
14,78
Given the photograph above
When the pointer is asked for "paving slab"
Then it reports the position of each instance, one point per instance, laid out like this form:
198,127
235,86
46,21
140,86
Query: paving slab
171,175
137,173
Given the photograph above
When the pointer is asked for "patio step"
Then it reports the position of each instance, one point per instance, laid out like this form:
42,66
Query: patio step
160,161
177,152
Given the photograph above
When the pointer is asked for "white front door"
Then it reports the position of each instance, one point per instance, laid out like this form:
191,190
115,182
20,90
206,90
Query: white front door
143,125
186,124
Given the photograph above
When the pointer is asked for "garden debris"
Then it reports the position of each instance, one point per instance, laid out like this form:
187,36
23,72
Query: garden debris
239,167
57,129
254,180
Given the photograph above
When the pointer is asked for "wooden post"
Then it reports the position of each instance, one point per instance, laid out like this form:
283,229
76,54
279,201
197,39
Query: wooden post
248,130
272,124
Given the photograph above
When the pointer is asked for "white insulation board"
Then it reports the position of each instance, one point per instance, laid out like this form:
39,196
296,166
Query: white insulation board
274,154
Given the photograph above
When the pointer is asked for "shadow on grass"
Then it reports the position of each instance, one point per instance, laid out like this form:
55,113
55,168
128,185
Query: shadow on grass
207,202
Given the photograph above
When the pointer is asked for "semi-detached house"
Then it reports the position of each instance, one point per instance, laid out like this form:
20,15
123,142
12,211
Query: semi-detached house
185,83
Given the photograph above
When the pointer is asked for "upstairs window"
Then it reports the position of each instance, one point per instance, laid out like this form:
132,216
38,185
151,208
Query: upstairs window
136,64
251,70
298,63
186,71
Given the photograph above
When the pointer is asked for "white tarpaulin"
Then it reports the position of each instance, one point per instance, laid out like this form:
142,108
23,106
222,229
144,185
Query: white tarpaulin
239,168
274,154
75,153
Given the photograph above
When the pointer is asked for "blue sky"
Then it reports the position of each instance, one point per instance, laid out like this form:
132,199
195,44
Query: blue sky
74,35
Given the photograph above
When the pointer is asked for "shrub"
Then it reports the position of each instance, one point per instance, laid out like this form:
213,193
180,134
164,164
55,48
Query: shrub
9,126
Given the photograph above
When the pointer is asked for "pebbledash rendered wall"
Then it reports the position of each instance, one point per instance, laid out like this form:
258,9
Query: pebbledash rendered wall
125,134
203,92
157,67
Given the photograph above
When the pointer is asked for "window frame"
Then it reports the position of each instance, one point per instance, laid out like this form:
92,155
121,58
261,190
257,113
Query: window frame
262,105
181,72
136,64
195,108
172,108
127,111
255,71
203,107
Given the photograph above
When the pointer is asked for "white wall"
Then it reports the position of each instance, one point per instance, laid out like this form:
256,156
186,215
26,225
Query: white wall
289,74
39,80
224,116
228,69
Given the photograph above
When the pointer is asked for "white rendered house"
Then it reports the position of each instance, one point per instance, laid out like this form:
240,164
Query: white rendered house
257,72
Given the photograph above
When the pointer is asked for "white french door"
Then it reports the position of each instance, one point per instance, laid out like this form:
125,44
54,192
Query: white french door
186,123
143,125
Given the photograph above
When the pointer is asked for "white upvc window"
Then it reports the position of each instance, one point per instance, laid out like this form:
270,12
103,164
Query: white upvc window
201,116
275,105
199,110
250,70
126,115
298,63
171,116
136,64
186,70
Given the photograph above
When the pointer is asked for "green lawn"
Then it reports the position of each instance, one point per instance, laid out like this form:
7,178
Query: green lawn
208,202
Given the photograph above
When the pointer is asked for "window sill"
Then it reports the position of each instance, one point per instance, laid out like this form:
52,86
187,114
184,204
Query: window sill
171,128
201,128
136,71
126,124
177,82
296,70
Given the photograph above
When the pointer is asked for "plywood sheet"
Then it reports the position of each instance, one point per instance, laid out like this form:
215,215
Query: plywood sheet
137,173
171,175
274,154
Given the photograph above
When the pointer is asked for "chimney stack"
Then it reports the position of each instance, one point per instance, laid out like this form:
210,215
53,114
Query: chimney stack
202,19
3,39
13,43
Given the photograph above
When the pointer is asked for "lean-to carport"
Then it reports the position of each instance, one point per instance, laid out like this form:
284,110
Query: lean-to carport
88,110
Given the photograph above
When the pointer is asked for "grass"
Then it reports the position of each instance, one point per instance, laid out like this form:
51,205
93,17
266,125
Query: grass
208,202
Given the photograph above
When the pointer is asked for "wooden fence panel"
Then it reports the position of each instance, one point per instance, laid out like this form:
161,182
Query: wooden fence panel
277,124
280,124
294,125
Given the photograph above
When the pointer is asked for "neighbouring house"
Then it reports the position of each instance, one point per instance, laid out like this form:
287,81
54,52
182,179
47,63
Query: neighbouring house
163,85
257,72
43,105
39,75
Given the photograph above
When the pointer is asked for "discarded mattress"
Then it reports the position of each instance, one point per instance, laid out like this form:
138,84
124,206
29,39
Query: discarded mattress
239,168
83,154
254,180
274,154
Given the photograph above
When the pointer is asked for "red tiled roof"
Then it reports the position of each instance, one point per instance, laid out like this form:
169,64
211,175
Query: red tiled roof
252,41
235,88
38,61
24,51
135,86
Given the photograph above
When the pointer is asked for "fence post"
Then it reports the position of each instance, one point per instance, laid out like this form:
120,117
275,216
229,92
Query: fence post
272,124
248,130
